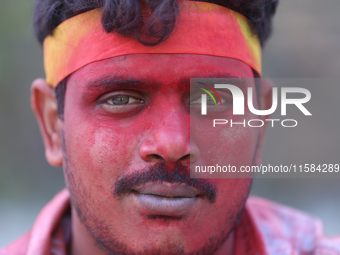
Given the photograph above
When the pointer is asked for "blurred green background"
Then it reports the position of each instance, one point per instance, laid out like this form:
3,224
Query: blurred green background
305,43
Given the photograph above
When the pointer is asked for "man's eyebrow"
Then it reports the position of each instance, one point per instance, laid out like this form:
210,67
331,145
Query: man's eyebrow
113,82
118,82
236,80
211,75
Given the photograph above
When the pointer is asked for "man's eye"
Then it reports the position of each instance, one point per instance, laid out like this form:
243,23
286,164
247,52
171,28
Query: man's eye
210,101
122,103
124,100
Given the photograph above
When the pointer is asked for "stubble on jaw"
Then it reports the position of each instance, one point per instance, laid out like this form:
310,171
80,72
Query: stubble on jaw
103,234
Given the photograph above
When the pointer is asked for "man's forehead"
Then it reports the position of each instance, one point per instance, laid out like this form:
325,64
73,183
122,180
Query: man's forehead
154,70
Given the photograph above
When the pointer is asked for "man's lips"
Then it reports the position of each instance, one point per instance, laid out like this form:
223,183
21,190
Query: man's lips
169,199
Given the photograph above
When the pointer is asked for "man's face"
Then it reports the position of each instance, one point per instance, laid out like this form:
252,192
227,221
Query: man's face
127,151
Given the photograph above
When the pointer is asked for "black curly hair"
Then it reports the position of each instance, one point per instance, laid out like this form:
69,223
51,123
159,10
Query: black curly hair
124,17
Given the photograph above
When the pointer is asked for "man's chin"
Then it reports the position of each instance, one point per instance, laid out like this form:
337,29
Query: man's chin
136,230
167,242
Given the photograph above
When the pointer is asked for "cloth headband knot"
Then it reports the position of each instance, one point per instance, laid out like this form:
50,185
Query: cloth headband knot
202,28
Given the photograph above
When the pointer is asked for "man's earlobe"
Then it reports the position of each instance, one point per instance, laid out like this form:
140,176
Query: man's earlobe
44,105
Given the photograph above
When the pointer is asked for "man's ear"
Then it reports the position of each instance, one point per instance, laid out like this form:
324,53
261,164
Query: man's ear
266,99
44,105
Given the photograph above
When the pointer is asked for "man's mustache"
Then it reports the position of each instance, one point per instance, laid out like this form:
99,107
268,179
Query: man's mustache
160,172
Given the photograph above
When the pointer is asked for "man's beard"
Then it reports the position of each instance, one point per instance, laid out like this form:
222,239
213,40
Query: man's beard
103,233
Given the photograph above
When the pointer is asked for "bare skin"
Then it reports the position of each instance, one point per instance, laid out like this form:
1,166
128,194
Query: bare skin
105,142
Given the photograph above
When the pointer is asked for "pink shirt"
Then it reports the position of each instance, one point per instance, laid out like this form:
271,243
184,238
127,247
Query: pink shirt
265,228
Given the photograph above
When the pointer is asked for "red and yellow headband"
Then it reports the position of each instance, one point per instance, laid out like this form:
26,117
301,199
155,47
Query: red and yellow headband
203,28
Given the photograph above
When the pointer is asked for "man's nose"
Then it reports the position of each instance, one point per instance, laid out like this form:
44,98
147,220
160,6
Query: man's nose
169,140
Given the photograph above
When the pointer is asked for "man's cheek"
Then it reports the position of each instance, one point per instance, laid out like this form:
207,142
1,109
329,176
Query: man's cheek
100,154
226,145
237,144
111,149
